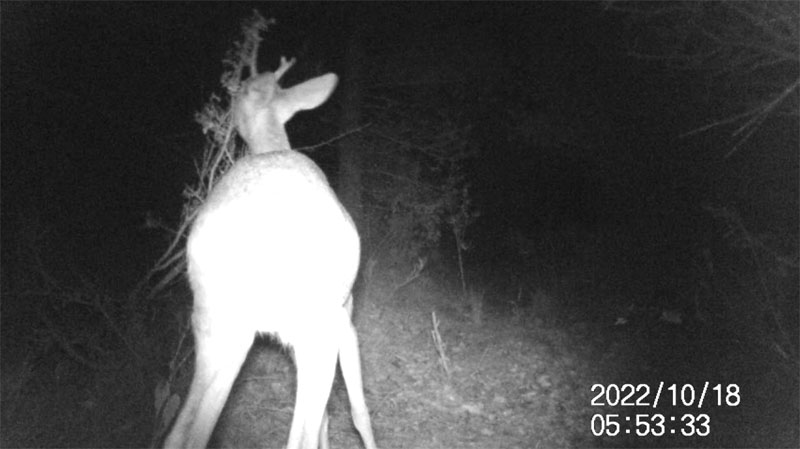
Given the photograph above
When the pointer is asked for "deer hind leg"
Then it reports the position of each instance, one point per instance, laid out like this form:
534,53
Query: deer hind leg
219,355
315,357
324,443
351,372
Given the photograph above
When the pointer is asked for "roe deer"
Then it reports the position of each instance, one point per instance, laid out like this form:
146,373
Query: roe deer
273,251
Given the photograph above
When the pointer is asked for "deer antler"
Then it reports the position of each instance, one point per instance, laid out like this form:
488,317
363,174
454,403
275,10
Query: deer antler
285,66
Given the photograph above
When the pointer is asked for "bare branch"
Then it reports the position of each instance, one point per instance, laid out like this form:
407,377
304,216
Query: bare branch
333,139
748,42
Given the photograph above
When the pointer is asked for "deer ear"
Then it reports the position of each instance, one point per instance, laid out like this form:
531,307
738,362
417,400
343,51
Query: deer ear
307,95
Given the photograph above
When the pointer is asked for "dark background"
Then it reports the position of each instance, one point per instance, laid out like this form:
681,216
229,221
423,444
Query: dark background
575,133
98,104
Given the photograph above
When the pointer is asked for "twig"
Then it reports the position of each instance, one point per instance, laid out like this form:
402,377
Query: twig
314,147
440,346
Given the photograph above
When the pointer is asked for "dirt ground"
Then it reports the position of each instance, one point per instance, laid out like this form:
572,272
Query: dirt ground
518,376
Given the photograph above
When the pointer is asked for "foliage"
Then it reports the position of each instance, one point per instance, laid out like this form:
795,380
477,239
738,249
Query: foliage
750,44
749,52
414,179
220,150
772,294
